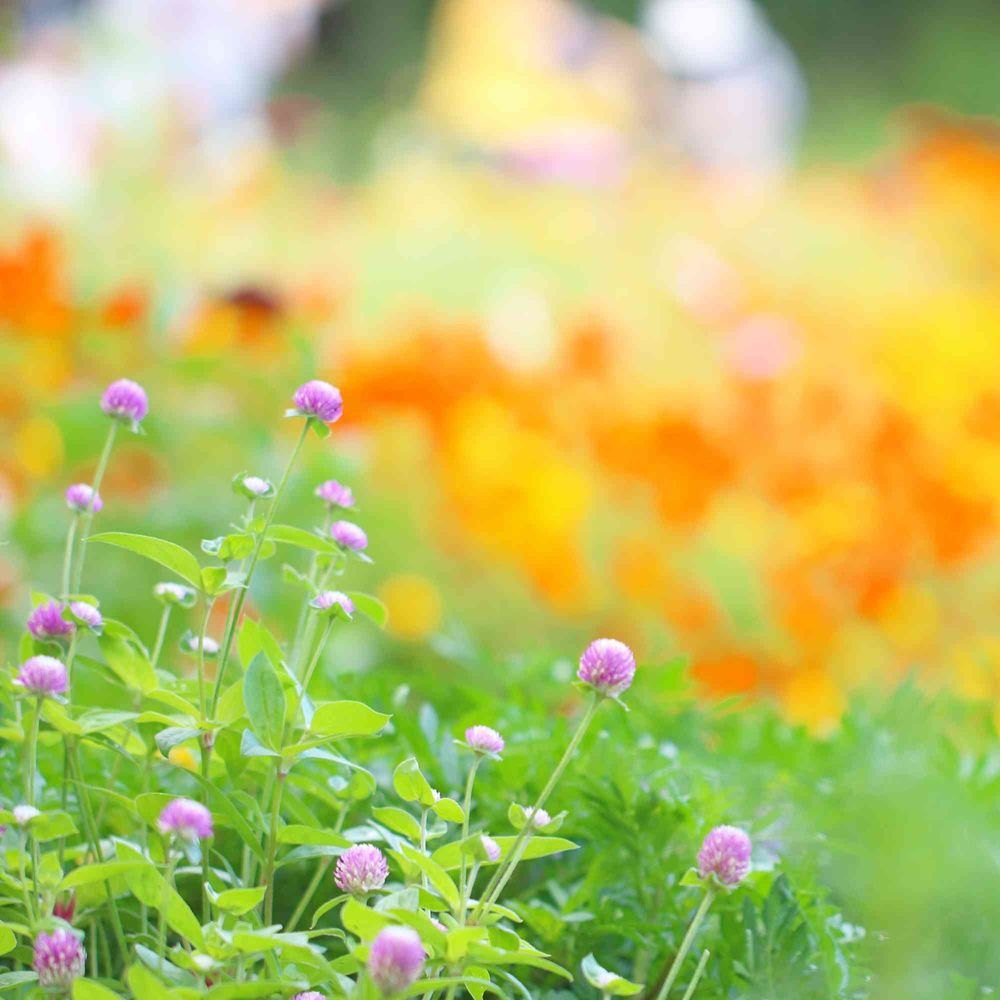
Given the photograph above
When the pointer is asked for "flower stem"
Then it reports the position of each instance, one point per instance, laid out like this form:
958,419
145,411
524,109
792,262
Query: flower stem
685,947
31,753
506,869
696,978
68,554
87,812
88,514
161,634
209,603
168,884
321,870
227,641
466,807
272,843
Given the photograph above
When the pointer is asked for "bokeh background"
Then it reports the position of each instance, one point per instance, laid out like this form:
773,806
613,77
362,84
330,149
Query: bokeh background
674,320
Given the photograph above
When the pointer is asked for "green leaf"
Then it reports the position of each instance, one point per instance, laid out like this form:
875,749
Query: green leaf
336,719
361,921
144,985
607,982
264,698
370,606
128,662
422,986
8,939
439,878
213,579
8,980
51,826
167,554
449,810
296,834
239,901
87,989
89,874
411,785
449,856
301,539
232,812
398,820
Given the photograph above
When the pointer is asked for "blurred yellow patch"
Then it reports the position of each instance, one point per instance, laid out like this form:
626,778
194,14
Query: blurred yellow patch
182,757
414,606
38,447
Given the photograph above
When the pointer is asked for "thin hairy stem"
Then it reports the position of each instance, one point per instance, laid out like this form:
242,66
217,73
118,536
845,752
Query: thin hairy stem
88,514
685,947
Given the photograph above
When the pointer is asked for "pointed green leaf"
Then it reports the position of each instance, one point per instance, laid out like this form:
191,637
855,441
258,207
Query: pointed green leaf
167,554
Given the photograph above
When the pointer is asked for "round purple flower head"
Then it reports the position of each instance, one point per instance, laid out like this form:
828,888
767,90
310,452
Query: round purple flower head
42,676
79,497
309,995
608,666
361,869
125,400
59,959
327,599
349,535
320,400
47,622
396,959
186,818
88,614
725,853
333,494
491,847
484,740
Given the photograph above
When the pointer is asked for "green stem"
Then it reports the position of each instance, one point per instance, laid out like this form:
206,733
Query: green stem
696,978
227,641
31,753
466,808
88,514
168,884
685,947
423,845
29,905
161,634
68,554
506,869
87,813
209,603
317,879
311,668
272,844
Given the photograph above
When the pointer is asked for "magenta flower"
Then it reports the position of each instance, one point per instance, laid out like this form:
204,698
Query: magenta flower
320,400
88,615
396,959
125,400
725,853
329,599
79,497
309,995
187,819
65,908
348,535
333,494
47,622
361,869
482,739
43,676
608,666
491,847
59,959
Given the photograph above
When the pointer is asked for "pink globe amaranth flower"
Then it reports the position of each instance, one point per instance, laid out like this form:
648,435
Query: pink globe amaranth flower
309,995
47,622
186,818
320,400
23,814
333,494
43,676
396,959
79,497
125,400
608,666
328,599
59,959
255,485
87,614
537,817
491,847
484,740
361,869
725,853
349,535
